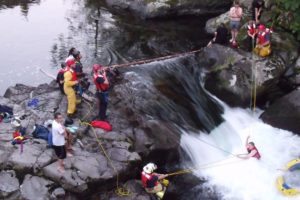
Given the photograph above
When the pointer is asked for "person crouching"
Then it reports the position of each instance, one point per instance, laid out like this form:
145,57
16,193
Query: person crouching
153,182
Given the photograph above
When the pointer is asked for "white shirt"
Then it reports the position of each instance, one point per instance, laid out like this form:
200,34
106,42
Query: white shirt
58,136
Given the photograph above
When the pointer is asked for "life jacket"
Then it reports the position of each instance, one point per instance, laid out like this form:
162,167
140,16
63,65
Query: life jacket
145,178
262,37
74,75
252,29
257,155
100,87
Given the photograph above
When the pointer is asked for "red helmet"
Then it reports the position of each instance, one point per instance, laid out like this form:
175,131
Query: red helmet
261,27
96,68
70,62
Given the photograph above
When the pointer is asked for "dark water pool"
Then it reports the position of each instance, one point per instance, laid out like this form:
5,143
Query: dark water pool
38,33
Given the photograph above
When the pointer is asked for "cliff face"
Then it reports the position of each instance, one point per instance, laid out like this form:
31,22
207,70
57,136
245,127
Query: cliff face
166,8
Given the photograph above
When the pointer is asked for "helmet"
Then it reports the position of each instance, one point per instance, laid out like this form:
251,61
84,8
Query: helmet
70,62
261,27
149,168
96,68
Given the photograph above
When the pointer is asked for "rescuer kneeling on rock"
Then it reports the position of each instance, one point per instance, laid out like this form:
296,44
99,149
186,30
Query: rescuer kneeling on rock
153,182
263,45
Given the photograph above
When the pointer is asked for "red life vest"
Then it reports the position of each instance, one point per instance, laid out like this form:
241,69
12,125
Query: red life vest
256,155
262,37
74,75
100,87
145,178
252,29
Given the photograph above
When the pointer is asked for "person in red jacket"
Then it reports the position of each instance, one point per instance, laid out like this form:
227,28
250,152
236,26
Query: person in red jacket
101,82
251,32
152,181
251,149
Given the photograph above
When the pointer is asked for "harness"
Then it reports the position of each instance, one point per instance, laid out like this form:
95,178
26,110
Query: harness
145,178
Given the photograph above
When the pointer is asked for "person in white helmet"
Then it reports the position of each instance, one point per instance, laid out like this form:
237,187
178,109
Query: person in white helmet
152,181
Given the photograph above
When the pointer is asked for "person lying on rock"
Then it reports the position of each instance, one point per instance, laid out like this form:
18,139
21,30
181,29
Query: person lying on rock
153,182
252,151
58,140
220,35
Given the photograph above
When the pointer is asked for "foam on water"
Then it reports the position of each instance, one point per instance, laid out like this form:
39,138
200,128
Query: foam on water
237,179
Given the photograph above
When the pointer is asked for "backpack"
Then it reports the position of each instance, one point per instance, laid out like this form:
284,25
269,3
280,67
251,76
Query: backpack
40,132
6,109
102,124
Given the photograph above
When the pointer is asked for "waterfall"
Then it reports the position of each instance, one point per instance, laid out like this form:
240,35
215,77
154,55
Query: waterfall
237,179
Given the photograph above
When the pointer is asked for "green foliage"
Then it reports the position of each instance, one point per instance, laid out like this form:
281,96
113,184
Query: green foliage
288,15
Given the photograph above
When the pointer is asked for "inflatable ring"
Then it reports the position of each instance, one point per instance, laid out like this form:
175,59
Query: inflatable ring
282,186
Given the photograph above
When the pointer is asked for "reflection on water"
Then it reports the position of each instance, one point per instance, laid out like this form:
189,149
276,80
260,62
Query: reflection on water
24,4
42,38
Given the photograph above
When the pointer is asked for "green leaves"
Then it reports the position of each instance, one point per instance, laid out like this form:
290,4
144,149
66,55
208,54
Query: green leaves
289,15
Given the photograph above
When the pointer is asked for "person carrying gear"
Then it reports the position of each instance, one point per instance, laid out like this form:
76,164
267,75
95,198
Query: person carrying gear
70,80
102,85
251,32
78,69
252,151
263,45
152,182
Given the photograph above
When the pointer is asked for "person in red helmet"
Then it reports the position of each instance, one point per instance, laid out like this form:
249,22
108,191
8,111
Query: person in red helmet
102,85
263,45
70,80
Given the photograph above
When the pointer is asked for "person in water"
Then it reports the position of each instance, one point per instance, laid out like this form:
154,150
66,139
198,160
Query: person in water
252,151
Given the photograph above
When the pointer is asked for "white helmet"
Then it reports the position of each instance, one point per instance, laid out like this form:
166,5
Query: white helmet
16,122
149,168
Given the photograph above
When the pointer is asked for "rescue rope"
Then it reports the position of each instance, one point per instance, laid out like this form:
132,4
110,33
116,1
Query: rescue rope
205,166
145,61
120,191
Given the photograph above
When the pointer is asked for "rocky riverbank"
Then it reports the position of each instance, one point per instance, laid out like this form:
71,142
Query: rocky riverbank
133,141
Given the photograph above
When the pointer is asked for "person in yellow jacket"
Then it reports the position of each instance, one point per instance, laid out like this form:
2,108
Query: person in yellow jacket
70,80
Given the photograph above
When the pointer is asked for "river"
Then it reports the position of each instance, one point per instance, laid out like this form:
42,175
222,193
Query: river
38,33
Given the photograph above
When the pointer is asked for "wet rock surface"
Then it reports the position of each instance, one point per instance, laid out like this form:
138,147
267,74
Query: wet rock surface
230,75
284,113
90,169
164,8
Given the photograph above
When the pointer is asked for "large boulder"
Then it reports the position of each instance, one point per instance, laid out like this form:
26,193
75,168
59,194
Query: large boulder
36,188
165,8
9,185
284,113
229,74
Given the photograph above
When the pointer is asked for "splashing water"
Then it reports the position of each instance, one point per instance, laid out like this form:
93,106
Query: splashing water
238,179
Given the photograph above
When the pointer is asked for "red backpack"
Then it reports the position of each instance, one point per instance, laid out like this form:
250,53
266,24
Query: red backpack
101,124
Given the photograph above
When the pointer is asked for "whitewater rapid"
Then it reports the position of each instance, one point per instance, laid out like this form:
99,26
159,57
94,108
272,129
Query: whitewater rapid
236,179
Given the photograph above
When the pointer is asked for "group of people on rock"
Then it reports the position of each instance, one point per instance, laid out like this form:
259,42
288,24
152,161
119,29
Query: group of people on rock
258,35
73,82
